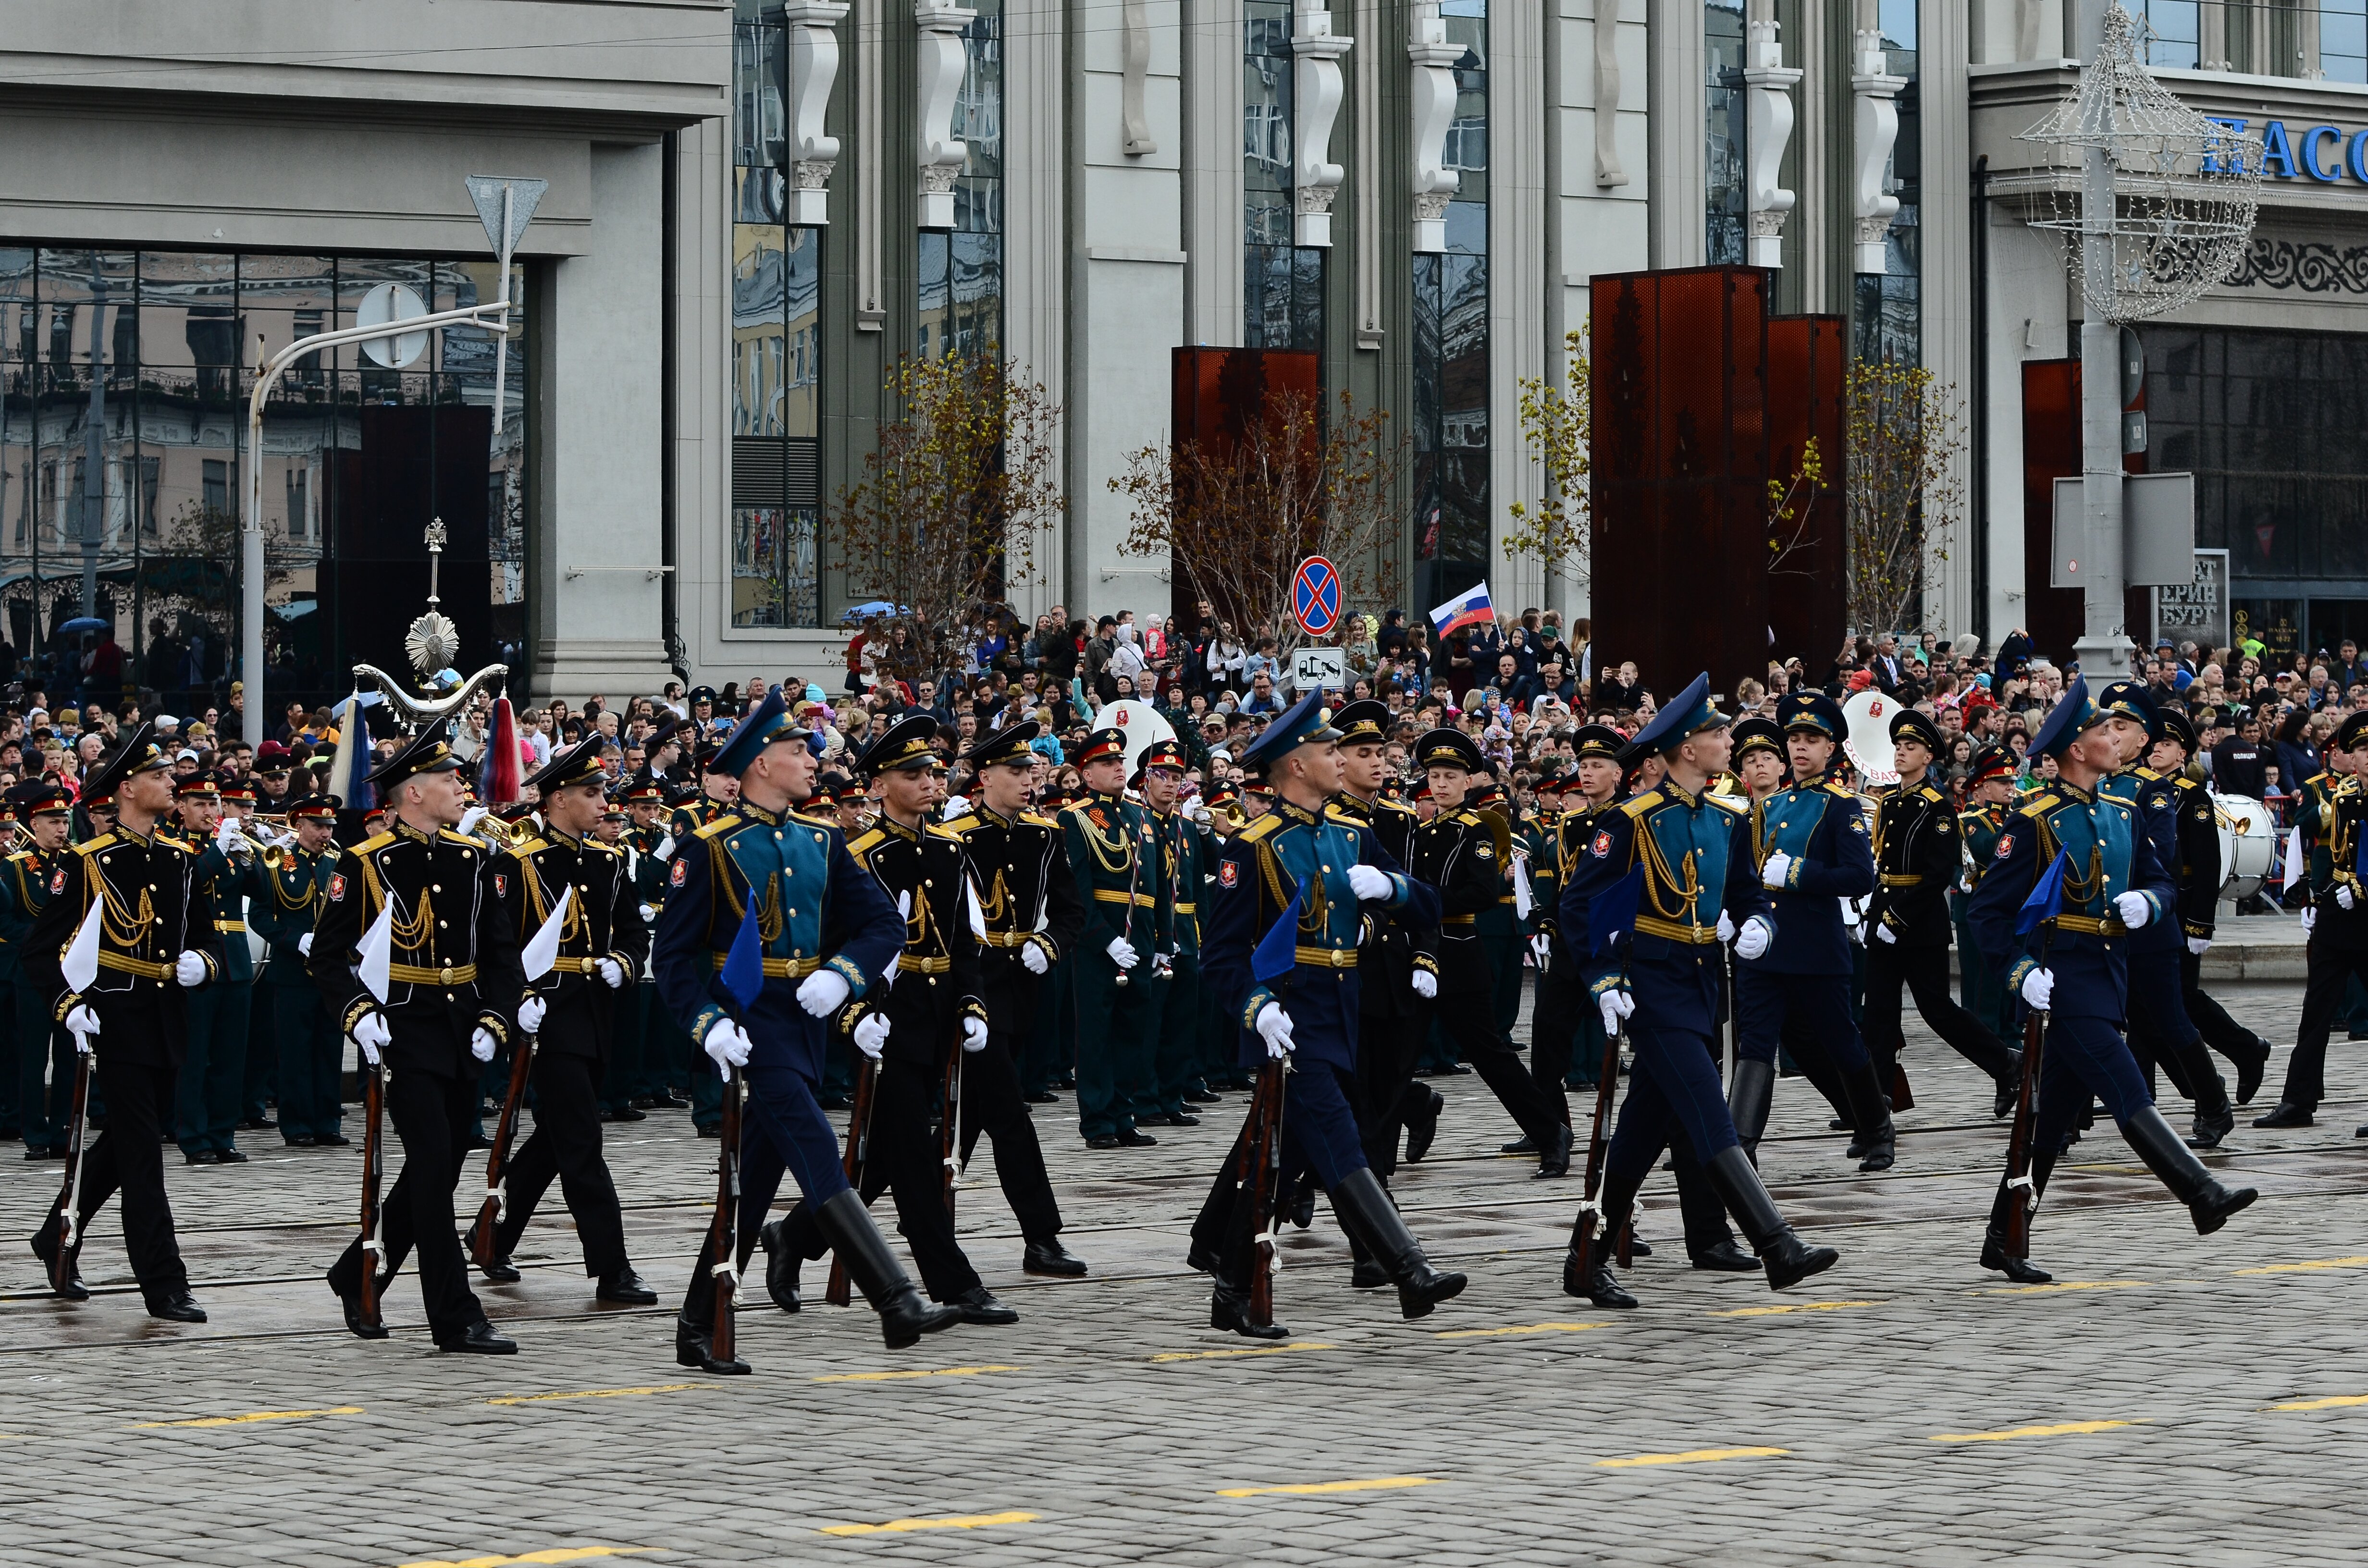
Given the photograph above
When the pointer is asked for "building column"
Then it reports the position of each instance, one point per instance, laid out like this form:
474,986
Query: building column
1679,185
1943,45
1212,146
1519,321
1035,259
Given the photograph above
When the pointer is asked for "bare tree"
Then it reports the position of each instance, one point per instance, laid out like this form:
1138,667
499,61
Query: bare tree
1900,488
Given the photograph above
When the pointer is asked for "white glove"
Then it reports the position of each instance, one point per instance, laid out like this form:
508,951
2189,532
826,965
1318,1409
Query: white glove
2039,988
665,851
189,968
1540,949
1369,882
727,1045
1426,984
2199,945
648,915
481,1043
870,1034
822,992
2309,917
1032,959
1725,927
1275,1025
1616,1005
611,972
1164,965
304,944
371,1035
471,817
1882,934
2342,898
1780,866
974,1034
1122,953
82,1023
530,1012
1753,938
2134,909
230,841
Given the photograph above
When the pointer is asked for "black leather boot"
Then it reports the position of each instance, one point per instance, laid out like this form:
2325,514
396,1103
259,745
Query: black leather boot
904,1315
1367,1273
1596,1283
1229,1309
2190,1181
2009,1088
45,1247
1422,1128
694,1325
780,1269
1789,1260
2022,1270
1750,1095
1362,1206
1874,1142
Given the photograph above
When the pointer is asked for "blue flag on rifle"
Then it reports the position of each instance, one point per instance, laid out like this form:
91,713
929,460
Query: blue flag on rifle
1277,951
1614,912
744,966
2046,899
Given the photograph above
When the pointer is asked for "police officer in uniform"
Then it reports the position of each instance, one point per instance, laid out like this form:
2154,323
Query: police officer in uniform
312,1052
1113,852
1294,862
1917,857
1019,868
1459,853
45,1054
157,943
2073,965
932,1008
1692,855
2199,875
571,1014
453,985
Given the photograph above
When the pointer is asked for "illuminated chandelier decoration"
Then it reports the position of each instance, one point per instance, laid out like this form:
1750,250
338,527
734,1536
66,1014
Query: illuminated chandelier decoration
2184,187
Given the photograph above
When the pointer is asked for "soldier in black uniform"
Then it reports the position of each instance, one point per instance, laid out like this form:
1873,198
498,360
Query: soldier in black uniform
1918,854
1030,914
907,1028
2199,875
571,1012
2338,921
45,1056
453,985
1457,853
157,942
1565,1022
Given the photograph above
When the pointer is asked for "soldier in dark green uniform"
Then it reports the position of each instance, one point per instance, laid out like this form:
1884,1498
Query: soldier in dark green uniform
45,1060
312,1053
1176,988
206,1103
667,1066
1114,855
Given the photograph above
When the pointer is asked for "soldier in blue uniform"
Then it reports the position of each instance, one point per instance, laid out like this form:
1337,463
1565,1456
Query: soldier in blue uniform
1809,849
1294,862
2074,966
312,1053
1692,853
45,1059
830,936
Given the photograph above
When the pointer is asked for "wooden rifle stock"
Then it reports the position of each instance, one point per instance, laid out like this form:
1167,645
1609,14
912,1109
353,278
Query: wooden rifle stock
70,1188
724,1249
497,1158
858,1140
1261,1158
1606,1084
373,1169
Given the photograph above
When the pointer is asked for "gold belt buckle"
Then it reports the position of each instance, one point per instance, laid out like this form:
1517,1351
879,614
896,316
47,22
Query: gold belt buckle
448,975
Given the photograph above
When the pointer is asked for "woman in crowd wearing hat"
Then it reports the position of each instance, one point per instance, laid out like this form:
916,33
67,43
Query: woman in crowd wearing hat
156,943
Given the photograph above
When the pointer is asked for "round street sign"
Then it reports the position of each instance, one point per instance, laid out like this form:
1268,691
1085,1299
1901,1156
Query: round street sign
1316,596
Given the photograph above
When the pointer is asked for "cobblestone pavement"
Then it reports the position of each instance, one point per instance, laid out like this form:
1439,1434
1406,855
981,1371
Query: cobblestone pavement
2172,1399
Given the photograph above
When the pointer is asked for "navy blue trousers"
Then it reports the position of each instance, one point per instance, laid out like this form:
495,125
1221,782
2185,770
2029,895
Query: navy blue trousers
2082,1057
1817,1004
1674,1092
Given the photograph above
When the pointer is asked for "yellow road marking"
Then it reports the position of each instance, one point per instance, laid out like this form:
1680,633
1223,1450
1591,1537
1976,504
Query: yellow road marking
2336,1403
898,1377
1692,1456
2066,1429
1518,1328
1229,1354
1790,1307
2061,1285
2314,1265
1379,1484
597,1394
548,1555
963,1522
251,1416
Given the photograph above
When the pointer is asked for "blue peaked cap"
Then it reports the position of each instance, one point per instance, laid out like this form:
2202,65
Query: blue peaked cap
1690,711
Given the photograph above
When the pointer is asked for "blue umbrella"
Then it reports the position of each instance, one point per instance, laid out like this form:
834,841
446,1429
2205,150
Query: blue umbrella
877,607
87,623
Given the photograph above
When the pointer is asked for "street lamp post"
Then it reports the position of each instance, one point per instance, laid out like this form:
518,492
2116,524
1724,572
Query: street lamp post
2104,646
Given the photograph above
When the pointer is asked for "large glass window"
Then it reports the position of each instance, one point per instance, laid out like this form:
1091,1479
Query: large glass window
1888,320
2173,31
1283,294
2342,40
1450,342
1723,130
960,272
124,382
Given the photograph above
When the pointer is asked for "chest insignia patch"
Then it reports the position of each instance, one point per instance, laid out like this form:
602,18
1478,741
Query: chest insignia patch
501,885
1229,874
1601,844
337,888
58,880
681,871
2005,847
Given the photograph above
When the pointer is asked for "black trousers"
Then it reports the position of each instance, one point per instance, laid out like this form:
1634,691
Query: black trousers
1471,1025
127,1158
1555,1020
1925,972
2221,1032
992,1104
567,1144
903,1159
433,1117
1383,1090
2332,970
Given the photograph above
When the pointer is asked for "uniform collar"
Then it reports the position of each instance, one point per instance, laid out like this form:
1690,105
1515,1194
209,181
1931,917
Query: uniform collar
890,824
758,814
1677,792
1808,781
991,814
403,829
569,839
1291,813
1354,805
2074,792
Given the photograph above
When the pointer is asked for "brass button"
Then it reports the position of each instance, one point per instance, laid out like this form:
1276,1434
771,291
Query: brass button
436,887
441,923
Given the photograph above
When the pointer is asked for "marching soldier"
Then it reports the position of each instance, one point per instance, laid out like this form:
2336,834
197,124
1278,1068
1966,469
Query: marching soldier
1460,852
312,1052
45,1054
2338,923
908,1029
2073,966
718,795
1176,993
1112,850
666,1053
829,935
1027,904
2199,904
1691,856
1990,798
157,943
1917,857
571,1013
1294,863
452,991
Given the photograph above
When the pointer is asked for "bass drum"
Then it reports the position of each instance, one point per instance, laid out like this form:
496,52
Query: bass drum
2248,844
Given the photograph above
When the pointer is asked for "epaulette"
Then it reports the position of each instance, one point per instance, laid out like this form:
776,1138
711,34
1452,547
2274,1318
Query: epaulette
531,846
1037,819
458,837
608,850
1929,793
1635,806
1730,805
942,832
1972,816
961,825
374,842
1832,787
870,840
2146,772
21,855
1266,824
809,818
93,845
2038,804
720,824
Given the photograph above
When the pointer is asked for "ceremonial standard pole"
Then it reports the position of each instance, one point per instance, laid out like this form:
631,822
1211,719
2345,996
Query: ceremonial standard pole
2104,646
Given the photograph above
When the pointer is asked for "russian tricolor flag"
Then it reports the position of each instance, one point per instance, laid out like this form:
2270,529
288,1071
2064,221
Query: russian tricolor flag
1468,608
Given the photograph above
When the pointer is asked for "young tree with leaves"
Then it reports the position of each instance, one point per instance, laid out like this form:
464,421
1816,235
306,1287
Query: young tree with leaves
1557,426
1900,489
